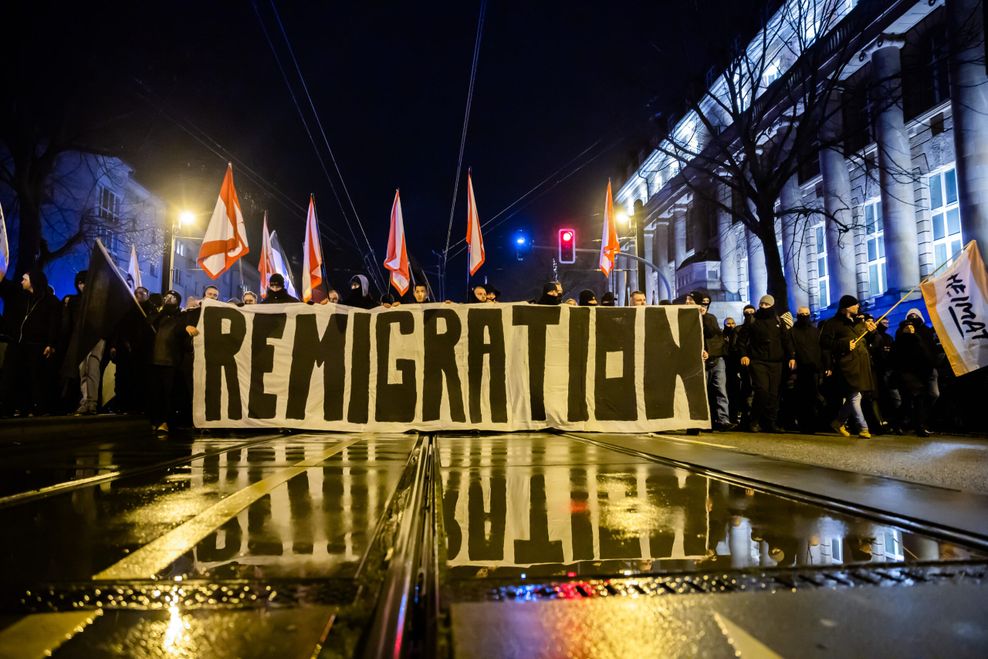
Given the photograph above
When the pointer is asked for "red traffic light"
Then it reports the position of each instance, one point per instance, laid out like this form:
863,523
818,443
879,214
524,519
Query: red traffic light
567,246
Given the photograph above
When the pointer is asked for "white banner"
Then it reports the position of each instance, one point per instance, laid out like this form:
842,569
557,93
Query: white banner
957,302
450,367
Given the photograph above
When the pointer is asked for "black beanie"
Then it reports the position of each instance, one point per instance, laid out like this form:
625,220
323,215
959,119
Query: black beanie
847,301
276,280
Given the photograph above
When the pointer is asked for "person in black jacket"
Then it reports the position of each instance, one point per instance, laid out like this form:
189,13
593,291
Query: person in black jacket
809,370
766,349
34,315
845,354
169,325
359,293
914,360
714,352
276,293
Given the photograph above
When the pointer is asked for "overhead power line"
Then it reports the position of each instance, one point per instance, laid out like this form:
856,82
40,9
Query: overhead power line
463,137
373,266
308,131
198,134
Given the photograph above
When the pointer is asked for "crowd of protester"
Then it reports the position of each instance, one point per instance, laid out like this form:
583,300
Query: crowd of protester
769,373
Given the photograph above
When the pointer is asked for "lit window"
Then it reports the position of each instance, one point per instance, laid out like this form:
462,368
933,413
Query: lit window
822,273
875,241
773,71
945,216
109,205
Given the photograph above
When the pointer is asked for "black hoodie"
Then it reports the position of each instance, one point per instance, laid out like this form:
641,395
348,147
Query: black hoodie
359,297
546,298
40,323
765,339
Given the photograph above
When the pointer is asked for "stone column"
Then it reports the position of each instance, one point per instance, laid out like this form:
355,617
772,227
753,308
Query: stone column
666,281
679,233
794,246
757,272
969,106
895,167
837,202
649,272
621,297
727,245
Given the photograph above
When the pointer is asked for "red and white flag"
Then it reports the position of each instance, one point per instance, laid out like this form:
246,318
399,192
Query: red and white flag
475,240
609,245
397,259
311,254
265,266
4,247
226,237
134,270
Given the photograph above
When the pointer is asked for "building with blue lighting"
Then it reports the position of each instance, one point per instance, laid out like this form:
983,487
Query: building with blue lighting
883,231
92,196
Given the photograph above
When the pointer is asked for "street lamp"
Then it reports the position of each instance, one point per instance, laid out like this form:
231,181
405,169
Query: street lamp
622,217
184,219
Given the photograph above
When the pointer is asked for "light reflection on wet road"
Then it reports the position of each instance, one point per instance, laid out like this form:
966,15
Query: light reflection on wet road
247,531
579,509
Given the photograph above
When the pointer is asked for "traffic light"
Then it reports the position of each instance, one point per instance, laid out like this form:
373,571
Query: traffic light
522,245
567,246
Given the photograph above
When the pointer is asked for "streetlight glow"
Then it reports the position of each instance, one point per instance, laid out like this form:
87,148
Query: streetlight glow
622,217
185,218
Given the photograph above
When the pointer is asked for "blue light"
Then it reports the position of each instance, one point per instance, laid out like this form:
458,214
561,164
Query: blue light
520,240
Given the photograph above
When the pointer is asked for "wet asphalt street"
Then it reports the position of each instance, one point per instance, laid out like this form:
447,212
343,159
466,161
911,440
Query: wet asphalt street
301,545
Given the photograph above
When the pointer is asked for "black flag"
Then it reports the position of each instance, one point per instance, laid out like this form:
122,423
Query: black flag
107,305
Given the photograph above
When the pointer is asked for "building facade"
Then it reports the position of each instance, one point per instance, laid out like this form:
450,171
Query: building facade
93,196
906,191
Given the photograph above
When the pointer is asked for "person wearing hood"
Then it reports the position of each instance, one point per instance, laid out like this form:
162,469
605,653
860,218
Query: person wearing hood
587,298
929,337
845,354
550,294
809,371
359,294
167,352
276,293
914,360
766,351
34,317
607,299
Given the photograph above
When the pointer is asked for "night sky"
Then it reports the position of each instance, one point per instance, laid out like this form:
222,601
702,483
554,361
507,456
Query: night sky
389,81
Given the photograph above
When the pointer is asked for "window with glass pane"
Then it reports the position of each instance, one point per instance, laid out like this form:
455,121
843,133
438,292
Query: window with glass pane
875,241
945,215
109,204
823,279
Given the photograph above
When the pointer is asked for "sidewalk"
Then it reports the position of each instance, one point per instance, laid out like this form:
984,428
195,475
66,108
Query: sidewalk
61,429
952,462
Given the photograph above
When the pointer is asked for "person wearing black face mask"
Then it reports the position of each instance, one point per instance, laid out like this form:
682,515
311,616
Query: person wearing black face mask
276,293
766,350
550,294
809,371
166,360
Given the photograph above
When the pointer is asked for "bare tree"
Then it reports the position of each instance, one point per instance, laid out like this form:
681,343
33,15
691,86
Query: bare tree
771,112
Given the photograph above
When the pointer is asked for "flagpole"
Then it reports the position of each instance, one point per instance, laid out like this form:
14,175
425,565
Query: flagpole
911,291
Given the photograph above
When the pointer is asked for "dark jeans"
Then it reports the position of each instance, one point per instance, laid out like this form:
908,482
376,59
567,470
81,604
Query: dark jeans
807,398
766,377
161,385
